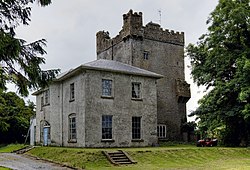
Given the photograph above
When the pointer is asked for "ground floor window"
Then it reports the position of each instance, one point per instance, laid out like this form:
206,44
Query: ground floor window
161,131
106,127
136,127
72,127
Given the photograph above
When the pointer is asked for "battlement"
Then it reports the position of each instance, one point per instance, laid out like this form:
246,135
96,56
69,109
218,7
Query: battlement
154,31
133,28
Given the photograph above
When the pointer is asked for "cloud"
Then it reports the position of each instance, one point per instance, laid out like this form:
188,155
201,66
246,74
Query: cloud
70,26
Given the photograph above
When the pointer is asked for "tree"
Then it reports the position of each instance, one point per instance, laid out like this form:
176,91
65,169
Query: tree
20,61
221,62
14,118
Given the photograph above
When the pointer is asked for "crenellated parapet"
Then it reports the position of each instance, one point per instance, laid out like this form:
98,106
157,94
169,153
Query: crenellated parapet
154,31
133,28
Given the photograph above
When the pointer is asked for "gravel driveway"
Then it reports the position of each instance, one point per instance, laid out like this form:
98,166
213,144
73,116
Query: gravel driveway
22,162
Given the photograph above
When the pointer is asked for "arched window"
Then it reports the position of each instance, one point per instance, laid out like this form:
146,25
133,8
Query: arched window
72,127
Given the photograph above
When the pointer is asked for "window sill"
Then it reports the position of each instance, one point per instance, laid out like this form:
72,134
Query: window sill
108,140
46,104
71,100
137,99
107,97
137,140
72,141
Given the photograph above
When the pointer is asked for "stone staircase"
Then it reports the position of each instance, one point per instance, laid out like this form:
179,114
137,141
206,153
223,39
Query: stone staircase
23,150
118,157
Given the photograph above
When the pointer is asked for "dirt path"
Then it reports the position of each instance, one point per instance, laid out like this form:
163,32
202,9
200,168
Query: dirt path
22,162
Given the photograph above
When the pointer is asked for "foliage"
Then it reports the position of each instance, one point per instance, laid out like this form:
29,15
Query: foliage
14,118
221,62
151,157
188,126
20,61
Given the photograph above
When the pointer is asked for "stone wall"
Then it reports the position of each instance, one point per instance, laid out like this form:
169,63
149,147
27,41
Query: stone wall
165,56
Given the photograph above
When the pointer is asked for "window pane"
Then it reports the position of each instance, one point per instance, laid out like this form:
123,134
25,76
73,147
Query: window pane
145,55
106,87
136,127
106,127
161,131
72,127
46,97
136,90
72,91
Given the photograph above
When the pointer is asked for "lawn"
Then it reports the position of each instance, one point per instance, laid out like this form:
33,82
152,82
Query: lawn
171,157
3,168
11,147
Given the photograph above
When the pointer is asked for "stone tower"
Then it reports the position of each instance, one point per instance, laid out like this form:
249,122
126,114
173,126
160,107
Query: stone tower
157,50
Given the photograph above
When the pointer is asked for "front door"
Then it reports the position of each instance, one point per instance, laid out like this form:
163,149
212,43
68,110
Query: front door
46,136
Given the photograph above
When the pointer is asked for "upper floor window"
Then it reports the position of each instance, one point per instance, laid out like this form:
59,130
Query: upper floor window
106,127
42,103
72,127
161,131
72,91
136,90
106,87
145,55
46,97
136,127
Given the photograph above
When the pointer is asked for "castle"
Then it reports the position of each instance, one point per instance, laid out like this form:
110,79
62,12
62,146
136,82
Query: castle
161,51
133,95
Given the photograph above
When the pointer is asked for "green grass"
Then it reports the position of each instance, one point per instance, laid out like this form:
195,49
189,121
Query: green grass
171,157
3,168
11,147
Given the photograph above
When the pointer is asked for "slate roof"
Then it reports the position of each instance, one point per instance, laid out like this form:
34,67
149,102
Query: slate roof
115,66
110,66
105,65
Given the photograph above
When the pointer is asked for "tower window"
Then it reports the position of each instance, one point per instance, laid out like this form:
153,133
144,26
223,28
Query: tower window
145,55
161,131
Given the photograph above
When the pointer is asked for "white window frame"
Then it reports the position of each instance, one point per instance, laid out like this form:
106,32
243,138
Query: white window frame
107,127
136,90
72,128
107,87
136,128
46,97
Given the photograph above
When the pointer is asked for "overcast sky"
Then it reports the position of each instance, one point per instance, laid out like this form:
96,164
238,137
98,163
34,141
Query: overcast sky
70,27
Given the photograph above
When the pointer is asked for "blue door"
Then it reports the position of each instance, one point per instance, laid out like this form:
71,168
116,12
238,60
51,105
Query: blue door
45,135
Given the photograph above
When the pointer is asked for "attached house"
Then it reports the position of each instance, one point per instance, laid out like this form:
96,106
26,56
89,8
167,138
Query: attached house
103,103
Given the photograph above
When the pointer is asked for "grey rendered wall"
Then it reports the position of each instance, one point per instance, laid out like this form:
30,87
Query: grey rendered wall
77,107
50,113
122,108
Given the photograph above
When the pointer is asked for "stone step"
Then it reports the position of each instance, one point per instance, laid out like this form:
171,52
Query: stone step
118,157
